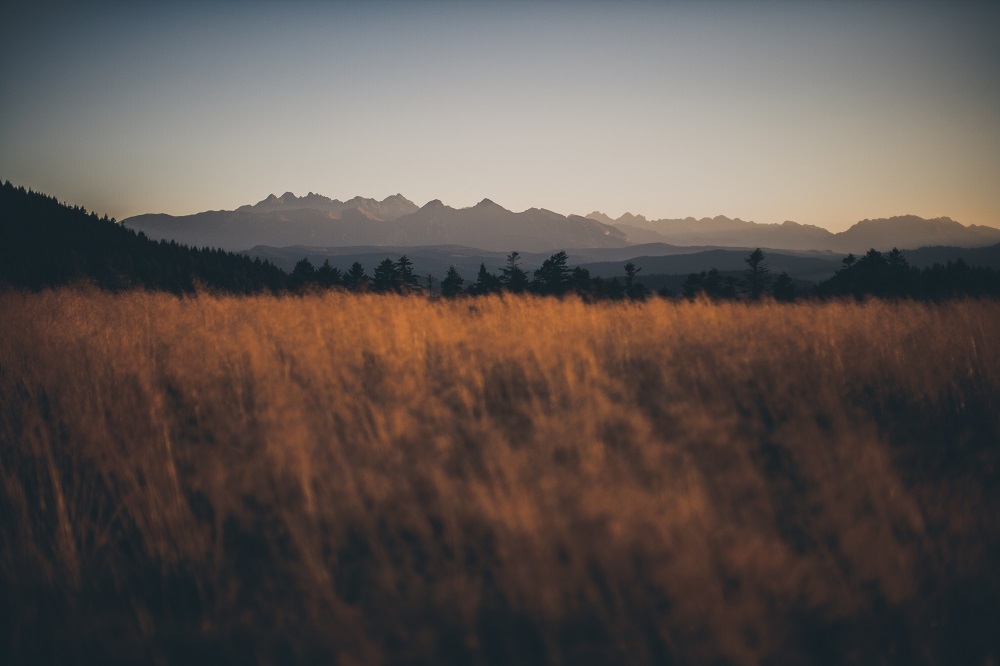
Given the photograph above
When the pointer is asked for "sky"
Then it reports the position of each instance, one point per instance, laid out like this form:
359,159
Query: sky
823,113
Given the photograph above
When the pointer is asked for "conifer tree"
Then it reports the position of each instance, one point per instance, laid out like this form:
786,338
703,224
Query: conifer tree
303,275
486,282
405,275
757,274
451,285
513,278
328,276
356,279
553,275
385,279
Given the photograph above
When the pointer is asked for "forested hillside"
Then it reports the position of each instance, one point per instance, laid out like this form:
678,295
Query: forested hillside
44,243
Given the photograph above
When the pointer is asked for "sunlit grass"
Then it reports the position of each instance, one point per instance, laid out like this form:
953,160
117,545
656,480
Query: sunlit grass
379,479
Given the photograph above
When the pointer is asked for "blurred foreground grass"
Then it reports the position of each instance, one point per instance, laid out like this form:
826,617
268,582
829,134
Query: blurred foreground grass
371,479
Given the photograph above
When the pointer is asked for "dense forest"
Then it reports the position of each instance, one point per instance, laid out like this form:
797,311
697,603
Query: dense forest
44,243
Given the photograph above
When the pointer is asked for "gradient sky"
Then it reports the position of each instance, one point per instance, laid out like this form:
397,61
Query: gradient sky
822,113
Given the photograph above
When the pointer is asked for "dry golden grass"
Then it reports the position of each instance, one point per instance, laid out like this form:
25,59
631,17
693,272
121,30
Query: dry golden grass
371,479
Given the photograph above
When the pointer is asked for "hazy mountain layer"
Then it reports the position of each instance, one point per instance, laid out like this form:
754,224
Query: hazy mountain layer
904,232
317,221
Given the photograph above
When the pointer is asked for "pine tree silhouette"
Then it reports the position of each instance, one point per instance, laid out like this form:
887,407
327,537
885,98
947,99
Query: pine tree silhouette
512,277
451,285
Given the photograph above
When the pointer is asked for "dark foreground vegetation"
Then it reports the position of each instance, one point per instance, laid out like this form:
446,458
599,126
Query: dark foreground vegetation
46,244
376,479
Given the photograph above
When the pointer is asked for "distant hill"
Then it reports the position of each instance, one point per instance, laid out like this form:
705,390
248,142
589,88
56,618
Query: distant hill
904,232
314,220
983,257
810,267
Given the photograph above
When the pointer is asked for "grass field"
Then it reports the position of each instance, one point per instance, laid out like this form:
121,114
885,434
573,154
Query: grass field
364,480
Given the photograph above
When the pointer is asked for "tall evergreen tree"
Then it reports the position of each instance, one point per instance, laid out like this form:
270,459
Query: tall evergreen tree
486,282
385,278
328,276
356,279
757,276
552,277
303,275
407,278
513,278
634,290
451,285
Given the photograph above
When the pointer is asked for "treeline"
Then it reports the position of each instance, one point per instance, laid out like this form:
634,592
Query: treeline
553,278
880,274
889,275
44,243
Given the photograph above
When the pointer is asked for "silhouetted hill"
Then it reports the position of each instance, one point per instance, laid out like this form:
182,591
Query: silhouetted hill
45,243
283,221
983,257
811,267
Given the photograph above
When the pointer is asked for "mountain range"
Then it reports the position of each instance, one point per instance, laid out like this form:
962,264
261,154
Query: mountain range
318,221
395,221
905,232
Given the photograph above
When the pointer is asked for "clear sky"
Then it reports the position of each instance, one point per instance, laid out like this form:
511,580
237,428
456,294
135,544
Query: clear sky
822,113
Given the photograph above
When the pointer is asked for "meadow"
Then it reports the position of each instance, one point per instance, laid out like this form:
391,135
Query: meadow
363,479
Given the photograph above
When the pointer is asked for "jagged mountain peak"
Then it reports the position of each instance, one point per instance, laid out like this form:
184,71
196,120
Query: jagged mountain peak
629,218
598,216
487,204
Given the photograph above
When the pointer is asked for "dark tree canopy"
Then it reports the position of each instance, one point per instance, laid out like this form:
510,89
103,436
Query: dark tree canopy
451,285
328,276
386,277
552,277
486,283
407,279
356,279
513,278
757,274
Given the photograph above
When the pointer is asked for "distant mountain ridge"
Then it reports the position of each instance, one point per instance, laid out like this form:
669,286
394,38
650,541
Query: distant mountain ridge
315,220
390,208
905,232
319,221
